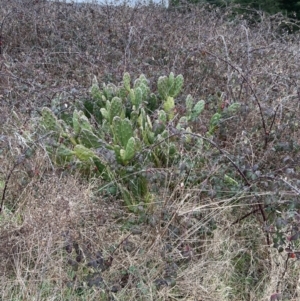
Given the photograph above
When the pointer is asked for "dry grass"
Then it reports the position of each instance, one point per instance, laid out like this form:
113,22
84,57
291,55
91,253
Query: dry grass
52,51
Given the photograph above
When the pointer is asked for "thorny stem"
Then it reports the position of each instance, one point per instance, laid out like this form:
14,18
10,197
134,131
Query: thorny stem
266,131
284,272
260,207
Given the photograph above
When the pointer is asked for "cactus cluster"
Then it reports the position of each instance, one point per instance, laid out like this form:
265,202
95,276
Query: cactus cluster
168,89
109,133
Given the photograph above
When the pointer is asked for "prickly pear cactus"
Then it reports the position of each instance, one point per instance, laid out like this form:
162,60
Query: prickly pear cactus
122,129
189,102
169,86
89,139
182,123
95,91
129,152
50,122
121,121
214,122
138,99
177,85
197,110
76,123
169,106
105,112
163,87
116,109
83,153
63,155
126,81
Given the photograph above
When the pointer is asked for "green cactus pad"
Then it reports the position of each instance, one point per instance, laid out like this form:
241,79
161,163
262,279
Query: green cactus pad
215,119
109,91
150,136
187,137
122,130
189,102
95,91
214,122
129,152
145,90
126,81
163,87
143,80
162,116
89,139
83,153
138,92
63,154
198,109
182,123
116,108
152,103
134,115
49,121
104,113
171,80
177,86
233,108
142,119
132,97
84,122
169,106
76,122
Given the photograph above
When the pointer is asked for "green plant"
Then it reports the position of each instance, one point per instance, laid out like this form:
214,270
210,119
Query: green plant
123,131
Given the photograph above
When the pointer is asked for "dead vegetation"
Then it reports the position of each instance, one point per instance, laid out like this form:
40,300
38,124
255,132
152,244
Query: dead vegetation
60,238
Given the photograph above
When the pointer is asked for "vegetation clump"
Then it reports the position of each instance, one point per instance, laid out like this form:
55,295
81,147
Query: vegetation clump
148,153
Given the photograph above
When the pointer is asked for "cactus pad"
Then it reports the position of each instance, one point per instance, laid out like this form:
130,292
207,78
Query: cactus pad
123,130
63,154
197,109
129,152
126,81
189,102
49,121
116,108
89,139
169,106
163,87
76,122
83,153
138,97
176,87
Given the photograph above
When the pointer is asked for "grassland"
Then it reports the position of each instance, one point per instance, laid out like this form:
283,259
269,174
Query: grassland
231,234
